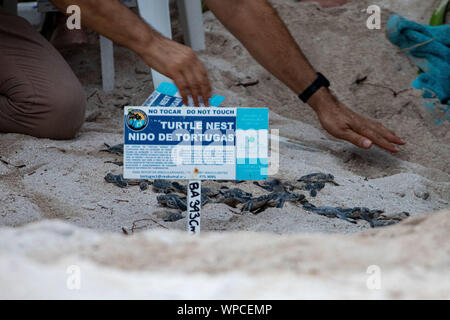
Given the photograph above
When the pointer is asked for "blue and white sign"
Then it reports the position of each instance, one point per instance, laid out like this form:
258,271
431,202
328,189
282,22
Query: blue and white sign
196,143
170,142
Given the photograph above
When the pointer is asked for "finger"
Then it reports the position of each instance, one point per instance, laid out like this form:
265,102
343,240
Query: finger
181,84
357,139
382,132
193,84
205,85
379,140
391,136
394,139
387,133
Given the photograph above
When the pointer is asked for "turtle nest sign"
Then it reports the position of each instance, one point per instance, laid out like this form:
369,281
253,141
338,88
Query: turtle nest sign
204,143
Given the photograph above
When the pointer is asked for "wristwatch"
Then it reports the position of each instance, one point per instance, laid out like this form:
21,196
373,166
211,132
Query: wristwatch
320,82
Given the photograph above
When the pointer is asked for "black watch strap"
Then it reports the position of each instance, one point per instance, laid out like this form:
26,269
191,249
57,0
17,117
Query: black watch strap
320,82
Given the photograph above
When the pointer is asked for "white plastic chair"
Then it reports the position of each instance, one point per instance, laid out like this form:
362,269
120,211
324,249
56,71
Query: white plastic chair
157,14
154,12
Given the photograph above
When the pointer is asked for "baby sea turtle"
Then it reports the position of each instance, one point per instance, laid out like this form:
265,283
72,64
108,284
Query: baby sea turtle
172,200
143,185
274,199
272,185
167,186
168,215
334,212
384,220
173,216
118,180
175,201
314,182
233,197
117,149
358,212
121,182
258,204
318,177
373,216
209,192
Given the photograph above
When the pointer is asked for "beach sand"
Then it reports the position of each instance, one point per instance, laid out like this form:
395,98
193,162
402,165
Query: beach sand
51,260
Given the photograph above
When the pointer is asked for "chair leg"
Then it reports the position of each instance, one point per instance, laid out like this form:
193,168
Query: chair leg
191,18
157,14
107,58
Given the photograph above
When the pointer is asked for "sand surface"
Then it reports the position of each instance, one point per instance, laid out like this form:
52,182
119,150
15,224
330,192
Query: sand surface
406,261
63,180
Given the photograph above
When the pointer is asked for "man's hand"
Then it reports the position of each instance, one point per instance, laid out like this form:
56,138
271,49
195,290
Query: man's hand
116,22
255,23
343,123
181,64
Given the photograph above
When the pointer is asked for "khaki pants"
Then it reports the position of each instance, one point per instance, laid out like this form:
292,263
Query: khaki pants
39,93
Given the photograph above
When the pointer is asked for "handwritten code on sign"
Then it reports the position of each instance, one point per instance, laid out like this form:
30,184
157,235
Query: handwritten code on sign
194,206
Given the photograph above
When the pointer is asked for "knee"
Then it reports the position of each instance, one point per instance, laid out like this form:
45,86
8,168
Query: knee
39,93
66,113
51,112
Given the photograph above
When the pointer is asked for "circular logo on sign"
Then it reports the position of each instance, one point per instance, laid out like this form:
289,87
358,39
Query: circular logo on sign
137,120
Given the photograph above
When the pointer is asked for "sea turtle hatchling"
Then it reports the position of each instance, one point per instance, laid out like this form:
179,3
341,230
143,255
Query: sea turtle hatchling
168,215
167,186
172,217
386,220
318,177
175,201
334,212
118,180
117,149
209,192
273,184
233,197
274,199
172,200
373,216
314,182
121,182
143,185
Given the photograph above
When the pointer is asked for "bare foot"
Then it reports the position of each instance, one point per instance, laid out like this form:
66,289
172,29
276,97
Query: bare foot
328,3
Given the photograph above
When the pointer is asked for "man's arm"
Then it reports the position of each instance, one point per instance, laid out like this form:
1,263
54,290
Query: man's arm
257,25
116,22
